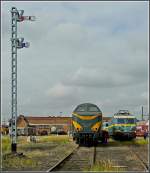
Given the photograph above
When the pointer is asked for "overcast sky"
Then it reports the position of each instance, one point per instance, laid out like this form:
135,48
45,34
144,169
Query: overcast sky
79,52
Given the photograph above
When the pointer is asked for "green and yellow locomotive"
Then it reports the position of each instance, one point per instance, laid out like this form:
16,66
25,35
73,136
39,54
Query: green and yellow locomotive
122,125
87,123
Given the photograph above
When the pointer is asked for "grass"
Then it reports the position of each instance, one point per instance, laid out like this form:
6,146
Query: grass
140,141
106,165
44,147
13,162
42,142
59,139
137,141
5,144
34,152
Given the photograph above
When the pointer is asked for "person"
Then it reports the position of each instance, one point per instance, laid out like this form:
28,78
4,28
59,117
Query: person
145,135
105,137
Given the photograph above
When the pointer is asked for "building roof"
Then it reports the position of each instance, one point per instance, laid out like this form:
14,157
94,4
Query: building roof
34,120
4,126
107,119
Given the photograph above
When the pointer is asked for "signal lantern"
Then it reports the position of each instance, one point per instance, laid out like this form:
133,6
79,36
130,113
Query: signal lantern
22,18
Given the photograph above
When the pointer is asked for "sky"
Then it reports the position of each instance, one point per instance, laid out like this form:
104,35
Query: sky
80,52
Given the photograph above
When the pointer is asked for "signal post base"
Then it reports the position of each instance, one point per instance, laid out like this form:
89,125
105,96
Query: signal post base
14,148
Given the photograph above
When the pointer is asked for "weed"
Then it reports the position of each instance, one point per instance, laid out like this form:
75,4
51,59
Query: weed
5,144
140,142
60,139
106,165
35,152
14,162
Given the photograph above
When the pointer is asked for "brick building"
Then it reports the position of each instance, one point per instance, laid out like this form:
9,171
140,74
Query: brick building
142,127
30,125
107,119
4,129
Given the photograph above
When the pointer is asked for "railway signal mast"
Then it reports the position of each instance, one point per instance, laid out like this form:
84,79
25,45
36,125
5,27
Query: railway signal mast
16,43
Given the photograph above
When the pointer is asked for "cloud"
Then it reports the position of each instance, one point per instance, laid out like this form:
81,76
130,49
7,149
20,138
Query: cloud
105,78
60,91
80,52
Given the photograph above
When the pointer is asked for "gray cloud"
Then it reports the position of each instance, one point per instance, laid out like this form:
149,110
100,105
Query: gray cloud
96,77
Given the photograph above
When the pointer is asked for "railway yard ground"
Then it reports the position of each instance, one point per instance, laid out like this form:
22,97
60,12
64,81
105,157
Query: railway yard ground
60,153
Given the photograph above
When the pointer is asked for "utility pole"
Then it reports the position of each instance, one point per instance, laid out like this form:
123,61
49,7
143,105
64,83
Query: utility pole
16,43
142,113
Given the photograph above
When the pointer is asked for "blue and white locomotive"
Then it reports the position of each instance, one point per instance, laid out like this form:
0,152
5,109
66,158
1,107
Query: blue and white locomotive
122,125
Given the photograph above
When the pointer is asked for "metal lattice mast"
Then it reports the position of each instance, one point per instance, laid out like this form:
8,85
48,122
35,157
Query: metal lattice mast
16,43
14,77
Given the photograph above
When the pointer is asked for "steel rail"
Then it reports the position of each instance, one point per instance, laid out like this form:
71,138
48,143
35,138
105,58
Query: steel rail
93,157
62,160
145,165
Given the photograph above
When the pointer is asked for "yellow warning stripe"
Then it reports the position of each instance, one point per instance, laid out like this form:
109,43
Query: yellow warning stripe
85,117
126,125
77,125
96,126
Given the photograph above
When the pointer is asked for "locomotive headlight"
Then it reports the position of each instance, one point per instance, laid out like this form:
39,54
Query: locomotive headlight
77,126
96,126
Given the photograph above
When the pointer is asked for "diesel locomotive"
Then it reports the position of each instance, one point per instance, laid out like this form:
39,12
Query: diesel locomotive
122,126
87,123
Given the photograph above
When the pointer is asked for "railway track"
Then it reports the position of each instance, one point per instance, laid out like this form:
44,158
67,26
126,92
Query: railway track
123,157
82,158
142,160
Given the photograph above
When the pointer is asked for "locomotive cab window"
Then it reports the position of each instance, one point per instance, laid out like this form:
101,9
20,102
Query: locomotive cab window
130,120
121,120
93,109
81,109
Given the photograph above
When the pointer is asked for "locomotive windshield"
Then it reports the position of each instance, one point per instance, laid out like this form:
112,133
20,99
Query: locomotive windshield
121,120
87,108
93,109
130,120
125,120
81,108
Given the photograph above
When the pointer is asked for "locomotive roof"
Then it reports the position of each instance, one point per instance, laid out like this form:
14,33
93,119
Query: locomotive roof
87,104
123,112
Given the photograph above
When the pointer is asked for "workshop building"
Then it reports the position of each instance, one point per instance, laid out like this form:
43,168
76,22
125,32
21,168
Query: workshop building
35,125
